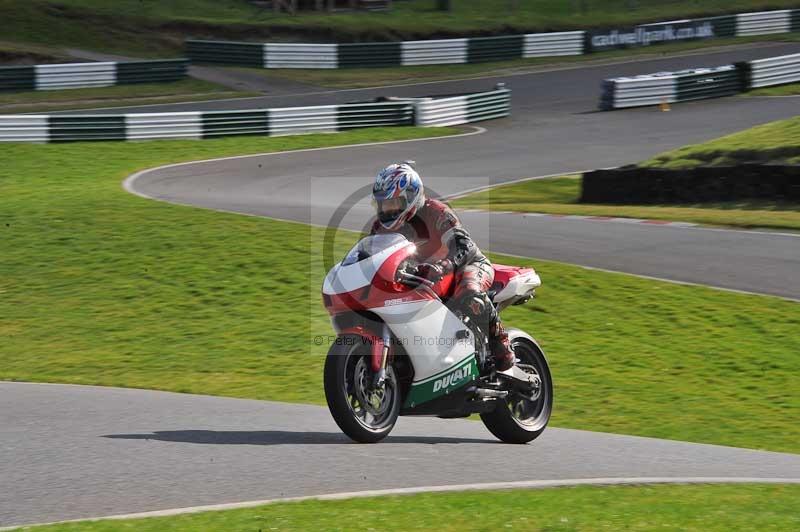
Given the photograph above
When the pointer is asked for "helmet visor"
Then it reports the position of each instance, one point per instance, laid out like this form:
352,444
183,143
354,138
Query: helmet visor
390,209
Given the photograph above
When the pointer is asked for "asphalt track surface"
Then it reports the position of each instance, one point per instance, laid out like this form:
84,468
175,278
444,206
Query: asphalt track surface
79,451
76,452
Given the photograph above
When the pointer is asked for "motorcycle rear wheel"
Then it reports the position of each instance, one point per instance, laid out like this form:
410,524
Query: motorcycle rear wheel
365,414
521,420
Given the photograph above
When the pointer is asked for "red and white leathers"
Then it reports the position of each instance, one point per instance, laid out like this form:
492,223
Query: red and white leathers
443,242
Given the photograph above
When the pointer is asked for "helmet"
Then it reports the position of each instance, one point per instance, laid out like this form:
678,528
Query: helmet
397,194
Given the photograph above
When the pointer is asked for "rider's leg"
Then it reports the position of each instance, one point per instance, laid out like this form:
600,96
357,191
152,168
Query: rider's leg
472,283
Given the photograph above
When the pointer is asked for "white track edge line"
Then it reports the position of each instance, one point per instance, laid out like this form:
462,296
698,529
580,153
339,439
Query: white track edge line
524,484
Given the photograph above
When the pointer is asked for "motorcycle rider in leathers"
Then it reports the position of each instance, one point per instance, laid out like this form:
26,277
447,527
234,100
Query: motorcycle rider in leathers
443,245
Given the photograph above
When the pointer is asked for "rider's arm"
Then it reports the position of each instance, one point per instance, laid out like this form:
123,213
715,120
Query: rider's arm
461,248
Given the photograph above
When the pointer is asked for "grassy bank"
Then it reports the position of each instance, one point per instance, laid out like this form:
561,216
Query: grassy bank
189,90
693,508
777,142
151,27
102,287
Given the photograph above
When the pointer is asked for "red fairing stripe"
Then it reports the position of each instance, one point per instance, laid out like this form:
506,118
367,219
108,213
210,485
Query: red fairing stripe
382,288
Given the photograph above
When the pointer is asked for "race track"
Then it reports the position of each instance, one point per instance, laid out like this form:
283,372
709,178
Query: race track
71,452
81,451
553,129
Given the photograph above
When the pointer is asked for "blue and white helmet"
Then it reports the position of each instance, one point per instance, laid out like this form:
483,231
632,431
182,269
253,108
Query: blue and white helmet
397,194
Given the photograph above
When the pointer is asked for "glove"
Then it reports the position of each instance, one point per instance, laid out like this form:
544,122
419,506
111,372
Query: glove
434,272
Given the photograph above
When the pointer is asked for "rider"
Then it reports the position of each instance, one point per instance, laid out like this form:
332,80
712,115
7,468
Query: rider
444,246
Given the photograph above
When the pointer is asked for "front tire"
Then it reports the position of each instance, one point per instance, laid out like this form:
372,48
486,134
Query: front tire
518,419
365,414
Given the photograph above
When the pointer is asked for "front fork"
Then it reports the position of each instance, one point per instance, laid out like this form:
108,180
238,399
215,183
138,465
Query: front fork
380,356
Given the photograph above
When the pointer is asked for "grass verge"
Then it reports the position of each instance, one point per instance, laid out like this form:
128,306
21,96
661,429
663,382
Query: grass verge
777,142
696,507
188,90
559,195
102,287
793,89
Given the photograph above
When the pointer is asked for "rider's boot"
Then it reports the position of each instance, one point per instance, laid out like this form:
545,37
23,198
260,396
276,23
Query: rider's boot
500,346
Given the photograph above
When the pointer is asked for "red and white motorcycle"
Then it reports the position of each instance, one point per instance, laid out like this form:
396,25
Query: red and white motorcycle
399,350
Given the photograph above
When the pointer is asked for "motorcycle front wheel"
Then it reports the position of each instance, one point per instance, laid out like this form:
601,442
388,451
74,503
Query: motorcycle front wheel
365,412
519,419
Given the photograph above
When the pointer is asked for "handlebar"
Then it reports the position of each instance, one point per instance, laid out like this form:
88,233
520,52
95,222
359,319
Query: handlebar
405,276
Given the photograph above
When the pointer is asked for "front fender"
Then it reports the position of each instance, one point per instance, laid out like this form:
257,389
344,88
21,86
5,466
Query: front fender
374,339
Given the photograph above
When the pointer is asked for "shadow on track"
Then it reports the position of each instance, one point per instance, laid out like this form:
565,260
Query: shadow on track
276,437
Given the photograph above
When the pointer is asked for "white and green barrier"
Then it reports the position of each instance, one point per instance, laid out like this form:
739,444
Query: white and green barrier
272,122
455,110
771,71
695,84
481,49
86,75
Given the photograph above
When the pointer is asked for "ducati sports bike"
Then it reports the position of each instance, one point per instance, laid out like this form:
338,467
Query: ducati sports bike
400,350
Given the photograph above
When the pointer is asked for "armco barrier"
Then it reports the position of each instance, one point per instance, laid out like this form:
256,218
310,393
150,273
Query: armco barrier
287,121
479,49
771,71
457,110
671,87
408,53
764,23
85,75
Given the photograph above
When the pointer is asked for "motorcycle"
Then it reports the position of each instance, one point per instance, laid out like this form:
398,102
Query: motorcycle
400,350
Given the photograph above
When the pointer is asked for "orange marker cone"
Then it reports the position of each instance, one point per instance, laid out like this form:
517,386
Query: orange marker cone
664,106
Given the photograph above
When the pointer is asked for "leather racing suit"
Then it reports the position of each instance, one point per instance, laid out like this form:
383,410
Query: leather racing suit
442,240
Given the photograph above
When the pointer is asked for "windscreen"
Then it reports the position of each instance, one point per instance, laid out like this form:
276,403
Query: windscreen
371,245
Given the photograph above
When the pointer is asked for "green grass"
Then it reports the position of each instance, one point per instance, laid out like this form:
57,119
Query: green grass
703,508
102,287
120,95
777,142
156,27
793,89
13,54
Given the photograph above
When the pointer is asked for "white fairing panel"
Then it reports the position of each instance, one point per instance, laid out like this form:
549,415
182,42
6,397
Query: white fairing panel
346,278
518,286
427,329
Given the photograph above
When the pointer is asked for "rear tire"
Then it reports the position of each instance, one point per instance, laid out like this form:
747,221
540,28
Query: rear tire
366,416
518,420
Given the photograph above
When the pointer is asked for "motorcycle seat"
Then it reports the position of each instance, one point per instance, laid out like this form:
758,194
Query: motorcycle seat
512,282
